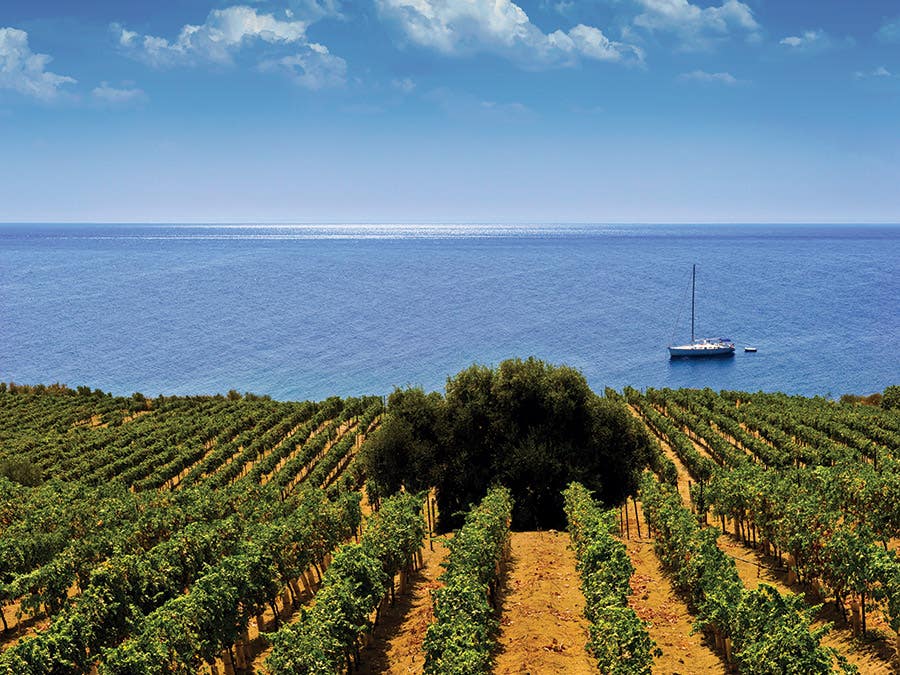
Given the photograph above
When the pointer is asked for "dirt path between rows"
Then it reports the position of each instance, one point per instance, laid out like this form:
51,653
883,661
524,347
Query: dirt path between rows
872,657
542,626
681,469
655,601
397,645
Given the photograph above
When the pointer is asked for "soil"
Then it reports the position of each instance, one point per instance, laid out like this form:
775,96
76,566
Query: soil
683,475
872,656
542,626
27,626
22,629
654,600
396,647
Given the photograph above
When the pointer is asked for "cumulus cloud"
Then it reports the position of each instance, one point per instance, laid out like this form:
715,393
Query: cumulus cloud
814,41
224,32
501,27
315,68
24,71
889,31
118,96
709,78
227,31
590,42
806,40
880,71
315,9
698,28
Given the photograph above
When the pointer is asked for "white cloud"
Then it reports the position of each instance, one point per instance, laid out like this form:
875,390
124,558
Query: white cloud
514,108
806,40
814,41
118,96
405,84
698,28
502,27
315,9
890,31
127,38
224,32
592,43
24,71
710,78
315,68
227,31
880,71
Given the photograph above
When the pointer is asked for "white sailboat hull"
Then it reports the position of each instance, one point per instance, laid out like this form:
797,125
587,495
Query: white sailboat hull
701,349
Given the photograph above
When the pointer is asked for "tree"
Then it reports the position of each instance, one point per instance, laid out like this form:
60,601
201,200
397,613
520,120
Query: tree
22,471
890,400
527,425
402,451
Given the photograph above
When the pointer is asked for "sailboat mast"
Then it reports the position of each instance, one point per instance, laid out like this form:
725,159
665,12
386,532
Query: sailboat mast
693,282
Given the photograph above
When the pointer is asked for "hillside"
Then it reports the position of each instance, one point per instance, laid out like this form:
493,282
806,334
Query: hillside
191,534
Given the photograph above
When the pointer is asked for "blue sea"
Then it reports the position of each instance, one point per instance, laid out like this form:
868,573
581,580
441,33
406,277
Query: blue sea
304,312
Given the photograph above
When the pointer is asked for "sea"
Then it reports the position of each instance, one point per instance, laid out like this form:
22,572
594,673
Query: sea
309,311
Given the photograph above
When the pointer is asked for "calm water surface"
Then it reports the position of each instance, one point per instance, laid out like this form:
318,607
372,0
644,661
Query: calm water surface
309,311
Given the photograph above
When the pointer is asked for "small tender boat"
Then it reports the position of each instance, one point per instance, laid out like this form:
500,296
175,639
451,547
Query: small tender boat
749,349
701,346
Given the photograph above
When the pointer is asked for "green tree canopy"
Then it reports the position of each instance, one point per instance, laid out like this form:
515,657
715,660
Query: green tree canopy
527,425
891,398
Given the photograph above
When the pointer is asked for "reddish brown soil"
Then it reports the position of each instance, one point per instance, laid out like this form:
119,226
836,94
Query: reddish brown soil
27,626
542,627
397,642
872,656
259,647
20,630
655,601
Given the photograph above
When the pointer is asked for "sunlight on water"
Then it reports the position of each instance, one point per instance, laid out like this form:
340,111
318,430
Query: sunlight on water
306,311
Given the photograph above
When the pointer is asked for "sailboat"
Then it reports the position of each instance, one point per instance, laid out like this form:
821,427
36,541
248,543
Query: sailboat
701,346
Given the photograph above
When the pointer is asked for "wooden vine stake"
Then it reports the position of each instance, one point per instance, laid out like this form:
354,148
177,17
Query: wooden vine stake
855,620
637,520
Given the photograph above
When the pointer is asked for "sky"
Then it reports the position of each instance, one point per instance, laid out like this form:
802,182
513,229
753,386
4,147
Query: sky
606,111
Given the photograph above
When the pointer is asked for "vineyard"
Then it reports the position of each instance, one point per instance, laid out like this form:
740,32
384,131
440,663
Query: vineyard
237,534
146,536
806,491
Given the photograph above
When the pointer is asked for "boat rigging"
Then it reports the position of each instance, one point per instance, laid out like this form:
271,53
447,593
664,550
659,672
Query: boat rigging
701,347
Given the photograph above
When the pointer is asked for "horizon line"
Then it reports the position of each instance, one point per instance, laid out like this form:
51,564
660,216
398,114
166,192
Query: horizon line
438,223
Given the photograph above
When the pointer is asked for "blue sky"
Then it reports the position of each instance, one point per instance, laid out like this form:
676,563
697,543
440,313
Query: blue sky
450,110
